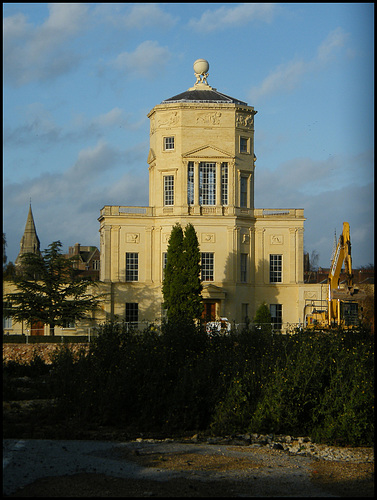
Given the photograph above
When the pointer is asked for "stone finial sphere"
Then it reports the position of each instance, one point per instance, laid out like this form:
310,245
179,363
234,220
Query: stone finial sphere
201,66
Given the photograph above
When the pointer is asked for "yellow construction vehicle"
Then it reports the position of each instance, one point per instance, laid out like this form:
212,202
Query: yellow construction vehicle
340,308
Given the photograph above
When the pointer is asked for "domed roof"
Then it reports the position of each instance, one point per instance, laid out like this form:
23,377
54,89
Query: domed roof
201,91
203,96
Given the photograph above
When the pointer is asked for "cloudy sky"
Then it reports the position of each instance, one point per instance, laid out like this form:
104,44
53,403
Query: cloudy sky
79,80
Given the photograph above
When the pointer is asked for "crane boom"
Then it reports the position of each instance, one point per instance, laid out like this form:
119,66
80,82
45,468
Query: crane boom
342,255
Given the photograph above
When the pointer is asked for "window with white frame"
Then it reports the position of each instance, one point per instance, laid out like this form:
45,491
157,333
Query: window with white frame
245,312
168,143
132,266
190,183
132,313
164,262
169,190
243,191
244,144
95,265
276,273
7,320
207,261
207,183
69,324
276,311
224,183
243,267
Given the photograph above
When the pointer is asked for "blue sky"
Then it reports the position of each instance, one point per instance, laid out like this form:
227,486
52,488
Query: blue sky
79,80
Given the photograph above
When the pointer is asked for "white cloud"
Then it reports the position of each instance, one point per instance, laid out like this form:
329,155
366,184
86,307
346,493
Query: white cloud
66,206
150,14
335,40
331,192
39,127
147,60
137,16
225,17
40,52
286,77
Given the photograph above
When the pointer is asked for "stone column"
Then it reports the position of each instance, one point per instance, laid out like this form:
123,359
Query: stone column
260,277
148,254
292,254
196,187
115,267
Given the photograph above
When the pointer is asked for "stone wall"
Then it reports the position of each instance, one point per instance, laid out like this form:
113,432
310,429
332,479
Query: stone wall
24,353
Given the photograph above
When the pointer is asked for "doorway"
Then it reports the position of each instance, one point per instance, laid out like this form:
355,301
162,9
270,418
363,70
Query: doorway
37,328
209,313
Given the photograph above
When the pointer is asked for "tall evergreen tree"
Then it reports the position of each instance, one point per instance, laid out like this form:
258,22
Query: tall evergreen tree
181,285
172,284
192,269
49,290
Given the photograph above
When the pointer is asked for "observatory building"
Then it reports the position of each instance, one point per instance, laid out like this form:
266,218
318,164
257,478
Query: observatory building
202,171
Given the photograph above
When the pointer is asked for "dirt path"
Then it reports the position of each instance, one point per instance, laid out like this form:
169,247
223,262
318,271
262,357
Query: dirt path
103,468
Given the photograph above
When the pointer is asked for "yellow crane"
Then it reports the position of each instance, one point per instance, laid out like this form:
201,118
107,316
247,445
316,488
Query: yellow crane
342,309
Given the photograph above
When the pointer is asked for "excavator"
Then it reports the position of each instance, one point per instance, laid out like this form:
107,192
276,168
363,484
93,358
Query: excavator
340,308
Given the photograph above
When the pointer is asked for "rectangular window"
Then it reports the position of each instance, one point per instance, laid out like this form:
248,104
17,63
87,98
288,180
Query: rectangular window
190,183
7,320
207,183
169,190
276,311
95,265
164,261
245,312
168,143
276,268
132,266
69,324
207,266
132,313
244,145
243,267
224,184
243,192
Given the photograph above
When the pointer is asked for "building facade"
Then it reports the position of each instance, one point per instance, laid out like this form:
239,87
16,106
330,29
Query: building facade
202,171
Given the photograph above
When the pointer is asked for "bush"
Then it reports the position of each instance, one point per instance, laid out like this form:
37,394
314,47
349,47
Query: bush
178,379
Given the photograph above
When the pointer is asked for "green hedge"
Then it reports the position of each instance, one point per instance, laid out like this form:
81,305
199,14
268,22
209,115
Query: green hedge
179,379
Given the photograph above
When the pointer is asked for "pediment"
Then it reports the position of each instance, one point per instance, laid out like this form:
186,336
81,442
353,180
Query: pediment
207,152
213,292
151,156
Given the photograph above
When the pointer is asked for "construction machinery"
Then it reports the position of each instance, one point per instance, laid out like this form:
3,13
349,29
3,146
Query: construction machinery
340,308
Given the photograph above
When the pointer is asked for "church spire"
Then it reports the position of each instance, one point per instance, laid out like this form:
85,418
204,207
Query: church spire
29,241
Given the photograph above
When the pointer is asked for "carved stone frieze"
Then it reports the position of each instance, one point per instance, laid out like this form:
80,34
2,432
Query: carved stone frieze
133,237
277,239
209,118
245,120
208,238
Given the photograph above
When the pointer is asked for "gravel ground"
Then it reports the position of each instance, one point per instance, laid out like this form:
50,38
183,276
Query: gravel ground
108,462
170,468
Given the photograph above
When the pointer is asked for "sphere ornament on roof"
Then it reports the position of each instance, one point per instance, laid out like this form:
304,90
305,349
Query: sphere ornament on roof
201,67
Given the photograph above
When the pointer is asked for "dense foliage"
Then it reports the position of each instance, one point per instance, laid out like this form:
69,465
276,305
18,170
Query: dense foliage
49,290
319,384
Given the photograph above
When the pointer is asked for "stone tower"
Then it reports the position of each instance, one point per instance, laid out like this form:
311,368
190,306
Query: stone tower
201,171
29,241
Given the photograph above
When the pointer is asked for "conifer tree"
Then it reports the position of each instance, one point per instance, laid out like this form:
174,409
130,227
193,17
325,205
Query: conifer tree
49,290
192,269
172,284
181,285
